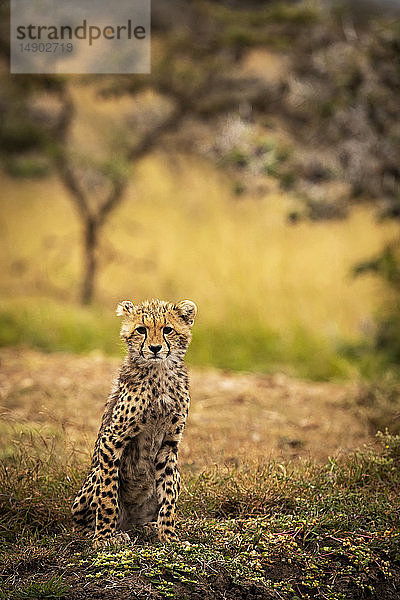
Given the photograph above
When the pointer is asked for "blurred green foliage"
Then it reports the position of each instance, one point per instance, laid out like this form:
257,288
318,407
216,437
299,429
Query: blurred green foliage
51,326
385,341
241,345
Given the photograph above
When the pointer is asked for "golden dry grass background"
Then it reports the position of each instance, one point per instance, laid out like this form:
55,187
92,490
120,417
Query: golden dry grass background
180,233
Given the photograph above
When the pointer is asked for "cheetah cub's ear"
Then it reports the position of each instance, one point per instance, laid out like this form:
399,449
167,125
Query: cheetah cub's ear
125,308
187,310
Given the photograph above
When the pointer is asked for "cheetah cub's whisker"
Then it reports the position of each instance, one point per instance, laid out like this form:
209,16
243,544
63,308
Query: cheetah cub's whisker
134,478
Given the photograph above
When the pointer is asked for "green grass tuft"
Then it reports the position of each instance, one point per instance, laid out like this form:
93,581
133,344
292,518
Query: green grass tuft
52,589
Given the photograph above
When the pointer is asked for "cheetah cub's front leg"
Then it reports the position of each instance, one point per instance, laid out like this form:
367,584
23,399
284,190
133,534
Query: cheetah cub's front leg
110,448
168,482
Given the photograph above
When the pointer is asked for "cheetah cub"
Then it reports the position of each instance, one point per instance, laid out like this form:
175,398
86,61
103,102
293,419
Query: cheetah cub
134,478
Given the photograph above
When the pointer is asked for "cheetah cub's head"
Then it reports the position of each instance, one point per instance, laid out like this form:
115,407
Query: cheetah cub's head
156,330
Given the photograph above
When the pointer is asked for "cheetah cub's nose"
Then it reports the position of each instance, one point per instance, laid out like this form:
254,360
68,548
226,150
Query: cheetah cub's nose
155,349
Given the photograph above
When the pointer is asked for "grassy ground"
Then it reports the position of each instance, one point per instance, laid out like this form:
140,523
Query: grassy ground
258,518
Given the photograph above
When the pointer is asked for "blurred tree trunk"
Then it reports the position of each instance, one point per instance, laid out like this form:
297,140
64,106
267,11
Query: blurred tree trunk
92,225
90,241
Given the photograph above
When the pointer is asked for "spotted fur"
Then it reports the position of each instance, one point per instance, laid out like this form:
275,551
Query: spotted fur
134,478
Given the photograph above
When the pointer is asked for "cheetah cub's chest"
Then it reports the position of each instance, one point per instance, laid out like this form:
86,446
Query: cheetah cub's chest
140,459
160,418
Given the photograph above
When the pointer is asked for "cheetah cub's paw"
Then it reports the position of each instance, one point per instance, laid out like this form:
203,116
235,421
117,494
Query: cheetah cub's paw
150,530
166,535
118,539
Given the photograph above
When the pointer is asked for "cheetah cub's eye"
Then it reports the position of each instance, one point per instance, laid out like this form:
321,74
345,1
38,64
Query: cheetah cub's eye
141,330
167,330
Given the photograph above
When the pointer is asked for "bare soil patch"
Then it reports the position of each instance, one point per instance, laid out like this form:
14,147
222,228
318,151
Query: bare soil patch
234,417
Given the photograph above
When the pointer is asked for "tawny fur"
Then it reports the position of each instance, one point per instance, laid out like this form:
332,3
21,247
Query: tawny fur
134,478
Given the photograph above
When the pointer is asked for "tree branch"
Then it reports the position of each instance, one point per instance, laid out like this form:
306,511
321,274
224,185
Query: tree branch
143,147
150,140
112,201
61,159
